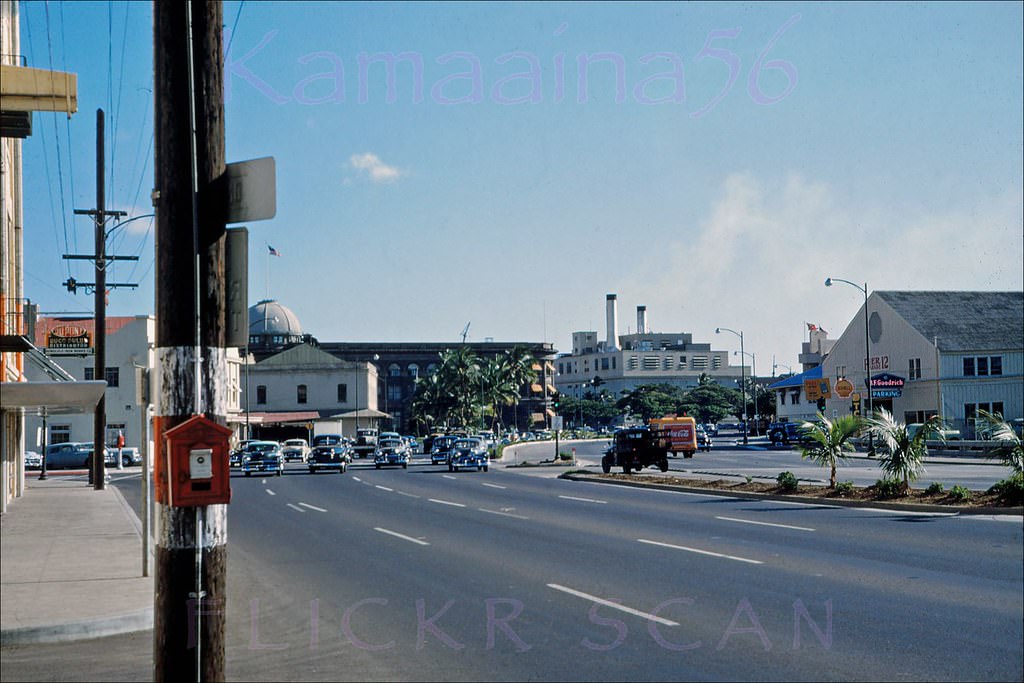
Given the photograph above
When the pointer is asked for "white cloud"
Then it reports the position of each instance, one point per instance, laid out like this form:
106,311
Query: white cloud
372,165
759,261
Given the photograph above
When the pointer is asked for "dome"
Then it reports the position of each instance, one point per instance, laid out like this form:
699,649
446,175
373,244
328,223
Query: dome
271,318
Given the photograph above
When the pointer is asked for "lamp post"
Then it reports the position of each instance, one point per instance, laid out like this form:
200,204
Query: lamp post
743,380
753,389
867,350
376,357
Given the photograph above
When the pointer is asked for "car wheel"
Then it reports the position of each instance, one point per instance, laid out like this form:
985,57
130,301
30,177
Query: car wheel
627,469
248,474
606,466
663,465
280,472
312,470
405,465
343,468
485,468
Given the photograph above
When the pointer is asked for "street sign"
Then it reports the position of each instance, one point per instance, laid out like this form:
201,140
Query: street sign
252,190
844,388
556,422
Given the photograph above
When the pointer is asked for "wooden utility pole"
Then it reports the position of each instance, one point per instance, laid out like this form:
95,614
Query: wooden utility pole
99,465
191,362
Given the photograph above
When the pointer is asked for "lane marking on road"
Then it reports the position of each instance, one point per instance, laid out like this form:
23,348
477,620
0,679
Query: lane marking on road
447,476
446,502
495,486
312,507
357,479
294,507
698,551
503,514
383,488
270,492
410,495
401,536
750,521
614,605
585,500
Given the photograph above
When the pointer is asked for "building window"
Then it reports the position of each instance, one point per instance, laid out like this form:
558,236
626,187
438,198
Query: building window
982,366
60,434
613,362
394,370
113,377
300,393
782,398
795,398
995,365
394,392
968,367
90,374
840,372
604,363
113,431
914,369
342,393
261,394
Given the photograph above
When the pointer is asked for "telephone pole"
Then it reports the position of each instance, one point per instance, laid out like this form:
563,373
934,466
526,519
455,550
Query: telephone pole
191,359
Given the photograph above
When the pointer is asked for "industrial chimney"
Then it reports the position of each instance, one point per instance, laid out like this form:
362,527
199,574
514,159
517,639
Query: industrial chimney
641,320
611,313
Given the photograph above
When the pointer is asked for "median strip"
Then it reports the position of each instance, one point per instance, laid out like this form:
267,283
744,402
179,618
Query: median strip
750,521
401,536
698,551
614,605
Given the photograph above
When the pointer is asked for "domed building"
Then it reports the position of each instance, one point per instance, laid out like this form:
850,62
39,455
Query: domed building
273,327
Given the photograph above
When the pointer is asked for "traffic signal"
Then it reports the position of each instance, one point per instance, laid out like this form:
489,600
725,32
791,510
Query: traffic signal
71,284
555,399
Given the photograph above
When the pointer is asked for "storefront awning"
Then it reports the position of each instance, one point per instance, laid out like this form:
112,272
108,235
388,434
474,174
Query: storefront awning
55,397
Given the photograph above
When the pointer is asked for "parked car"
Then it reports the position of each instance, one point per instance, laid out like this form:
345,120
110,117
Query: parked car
468,453
785,433
110,457
68,455
295,449
391,451
440,448
33,460
262,456
336,457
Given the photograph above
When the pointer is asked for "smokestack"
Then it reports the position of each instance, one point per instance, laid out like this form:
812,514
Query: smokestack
641,320
611,313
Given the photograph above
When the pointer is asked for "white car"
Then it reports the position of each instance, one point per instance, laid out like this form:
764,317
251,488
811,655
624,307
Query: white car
295,449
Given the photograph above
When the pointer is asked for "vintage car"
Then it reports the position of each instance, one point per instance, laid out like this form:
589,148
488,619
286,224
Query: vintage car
439,449
295,449
391,452
468,453
703,438
334,457
262,456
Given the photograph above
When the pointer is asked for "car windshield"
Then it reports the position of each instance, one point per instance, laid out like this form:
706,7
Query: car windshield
390,443
295,443
260,447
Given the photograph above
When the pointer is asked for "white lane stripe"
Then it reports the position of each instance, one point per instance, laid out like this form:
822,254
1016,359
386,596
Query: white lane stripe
356,479
294,507
701,552
495,486
447,476
446,502
312,507
613,605
585,500
270,492
401,536
383,488
403,493
750,521
503,514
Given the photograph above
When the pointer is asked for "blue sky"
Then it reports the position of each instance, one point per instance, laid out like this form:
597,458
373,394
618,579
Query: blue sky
750,151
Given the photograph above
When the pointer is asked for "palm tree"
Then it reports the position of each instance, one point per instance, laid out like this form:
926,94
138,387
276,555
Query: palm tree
519,363
1011,448
828,441
498,388
903,450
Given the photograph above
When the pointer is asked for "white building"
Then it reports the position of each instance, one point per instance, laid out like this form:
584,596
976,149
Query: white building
934,353
624,362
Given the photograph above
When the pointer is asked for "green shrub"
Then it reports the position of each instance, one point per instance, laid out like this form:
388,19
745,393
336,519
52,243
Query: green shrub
844,488
562,455
934,487
787,481
1010,490
889,488
960,493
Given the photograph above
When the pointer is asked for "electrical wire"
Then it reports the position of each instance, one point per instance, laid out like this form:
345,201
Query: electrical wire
116,112
56,136
234,26
67,125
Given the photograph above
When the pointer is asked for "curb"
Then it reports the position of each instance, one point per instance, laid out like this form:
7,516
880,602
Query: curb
86,629
822,502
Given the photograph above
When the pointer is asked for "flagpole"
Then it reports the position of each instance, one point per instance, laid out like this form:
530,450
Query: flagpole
266,274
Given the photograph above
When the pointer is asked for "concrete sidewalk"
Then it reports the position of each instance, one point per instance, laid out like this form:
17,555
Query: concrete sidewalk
72,564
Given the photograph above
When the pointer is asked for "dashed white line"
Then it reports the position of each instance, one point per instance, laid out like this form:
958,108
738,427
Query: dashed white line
410,495
495,486
401,536
446,502
750,521
356,479
270,492
312,507
294,507
383,488
614,605
698,551
585,500
503,514
447,476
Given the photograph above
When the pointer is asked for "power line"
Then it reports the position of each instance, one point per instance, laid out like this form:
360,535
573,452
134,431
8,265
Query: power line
56,134
67,123
116,113
234,26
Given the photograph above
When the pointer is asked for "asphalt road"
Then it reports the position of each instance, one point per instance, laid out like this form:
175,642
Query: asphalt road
420,574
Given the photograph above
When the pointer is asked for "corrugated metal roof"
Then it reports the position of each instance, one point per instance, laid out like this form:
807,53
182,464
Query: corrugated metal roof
963,321
797,380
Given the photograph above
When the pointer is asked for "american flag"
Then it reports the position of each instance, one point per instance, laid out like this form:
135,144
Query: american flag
273,252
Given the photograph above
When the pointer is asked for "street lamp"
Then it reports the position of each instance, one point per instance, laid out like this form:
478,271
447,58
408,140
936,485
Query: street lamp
376,357
743,380
753,388
867,350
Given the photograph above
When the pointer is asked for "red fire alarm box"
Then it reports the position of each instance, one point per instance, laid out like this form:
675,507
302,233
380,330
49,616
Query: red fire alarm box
196,461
